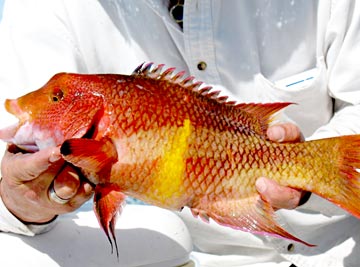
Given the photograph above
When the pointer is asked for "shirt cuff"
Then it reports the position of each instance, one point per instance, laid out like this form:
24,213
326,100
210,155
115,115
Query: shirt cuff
9,223
321,205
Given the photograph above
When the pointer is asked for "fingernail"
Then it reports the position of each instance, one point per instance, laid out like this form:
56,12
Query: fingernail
55,155
276,133
74,175
260,185
88,189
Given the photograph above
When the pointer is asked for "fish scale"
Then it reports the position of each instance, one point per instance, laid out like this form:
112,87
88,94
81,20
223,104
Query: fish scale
160,137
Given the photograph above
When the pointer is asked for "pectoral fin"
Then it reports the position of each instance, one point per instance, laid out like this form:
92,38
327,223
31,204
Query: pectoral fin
108,200
93,157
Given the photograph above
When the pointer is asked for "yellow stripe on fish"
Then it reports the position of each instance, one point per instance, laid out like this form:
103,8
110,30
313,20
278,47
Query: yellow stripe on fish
169,178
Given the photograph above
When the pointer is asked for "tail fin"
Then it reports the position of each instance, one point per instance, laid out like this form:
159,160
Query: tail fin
344,186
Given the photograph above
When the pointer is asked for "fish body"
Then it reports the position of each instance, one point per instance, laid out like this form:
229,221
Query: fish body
163,139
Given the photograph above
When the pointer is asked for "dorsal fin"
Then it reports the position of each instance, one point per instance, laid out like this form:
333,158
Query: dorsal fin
149,70
156,72
262,114
258,116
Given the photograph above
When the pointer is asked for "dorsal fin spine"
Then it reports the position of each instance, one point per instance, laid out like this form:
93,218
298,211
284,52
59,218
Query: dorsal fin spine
222,99
213,94
187,81
177,78
147,68
205,90
167,74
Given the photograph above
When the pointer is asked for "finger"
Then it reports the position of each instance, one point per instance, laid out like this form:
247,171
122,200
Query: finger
32,164
84,193
67,182
279,197
286,132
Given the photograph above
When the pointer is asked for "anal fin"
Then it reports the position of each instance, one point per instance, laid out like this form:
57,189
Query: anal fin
250,215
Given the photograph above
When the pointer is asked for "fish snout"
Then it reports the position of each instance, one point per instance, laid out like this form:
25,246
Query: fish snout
13,107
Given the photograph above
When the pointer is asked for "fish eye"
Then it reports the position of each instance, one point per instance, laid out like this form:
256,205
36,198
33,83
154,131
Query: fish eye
57,95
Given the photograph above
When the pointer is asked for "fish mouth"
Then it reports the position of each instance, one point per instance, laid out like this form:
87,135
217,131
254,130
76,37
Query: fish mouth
28,140
19,133
29,148
8,133
25,137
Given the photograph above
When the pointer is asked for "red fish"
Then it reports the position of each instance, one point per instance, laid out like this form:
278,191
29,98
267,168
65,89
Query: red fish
163,139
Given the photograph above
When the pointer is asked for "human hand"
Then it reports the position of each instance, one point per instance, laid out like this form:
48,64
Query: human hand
27,179
281,197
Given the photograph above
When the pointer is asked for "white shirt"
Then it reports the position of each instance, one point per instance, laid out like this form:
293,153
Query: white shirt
255,51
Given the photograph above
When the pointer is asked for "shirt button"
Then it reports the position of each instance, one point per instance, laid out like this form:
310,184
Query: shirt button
291,247
201,65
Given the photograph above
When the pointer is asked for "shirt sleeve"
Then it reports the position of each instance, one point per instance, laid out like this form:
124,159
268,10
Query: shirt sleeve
341,49
9,223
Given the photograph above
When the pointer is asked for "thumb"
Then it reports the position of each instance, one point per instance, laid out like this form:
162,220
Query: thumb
279,197
285,132
67,182
28,166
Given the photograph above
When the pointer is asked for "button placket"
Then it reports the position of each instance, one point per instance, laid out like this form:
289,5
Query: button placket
199,41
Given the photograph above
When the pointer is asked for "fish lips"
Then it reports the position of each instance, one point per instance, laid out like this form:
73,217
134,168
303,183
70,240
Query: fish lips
18,133
8,133
23,136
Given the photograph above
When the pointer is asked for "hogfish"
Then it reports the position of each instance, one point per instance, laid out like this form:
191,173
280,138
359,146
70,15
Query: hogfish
169,141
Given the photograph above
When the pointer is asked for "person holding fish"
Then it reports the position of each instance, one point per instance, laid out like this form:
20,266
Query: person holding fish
252,52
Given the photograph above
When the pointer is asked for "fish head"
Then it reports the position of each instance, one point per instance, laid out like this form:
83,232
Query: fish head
65,107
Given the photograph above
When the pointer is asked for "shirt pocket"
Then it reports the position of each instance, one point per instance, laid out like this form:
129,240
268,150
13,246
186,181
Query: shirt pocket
312,103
